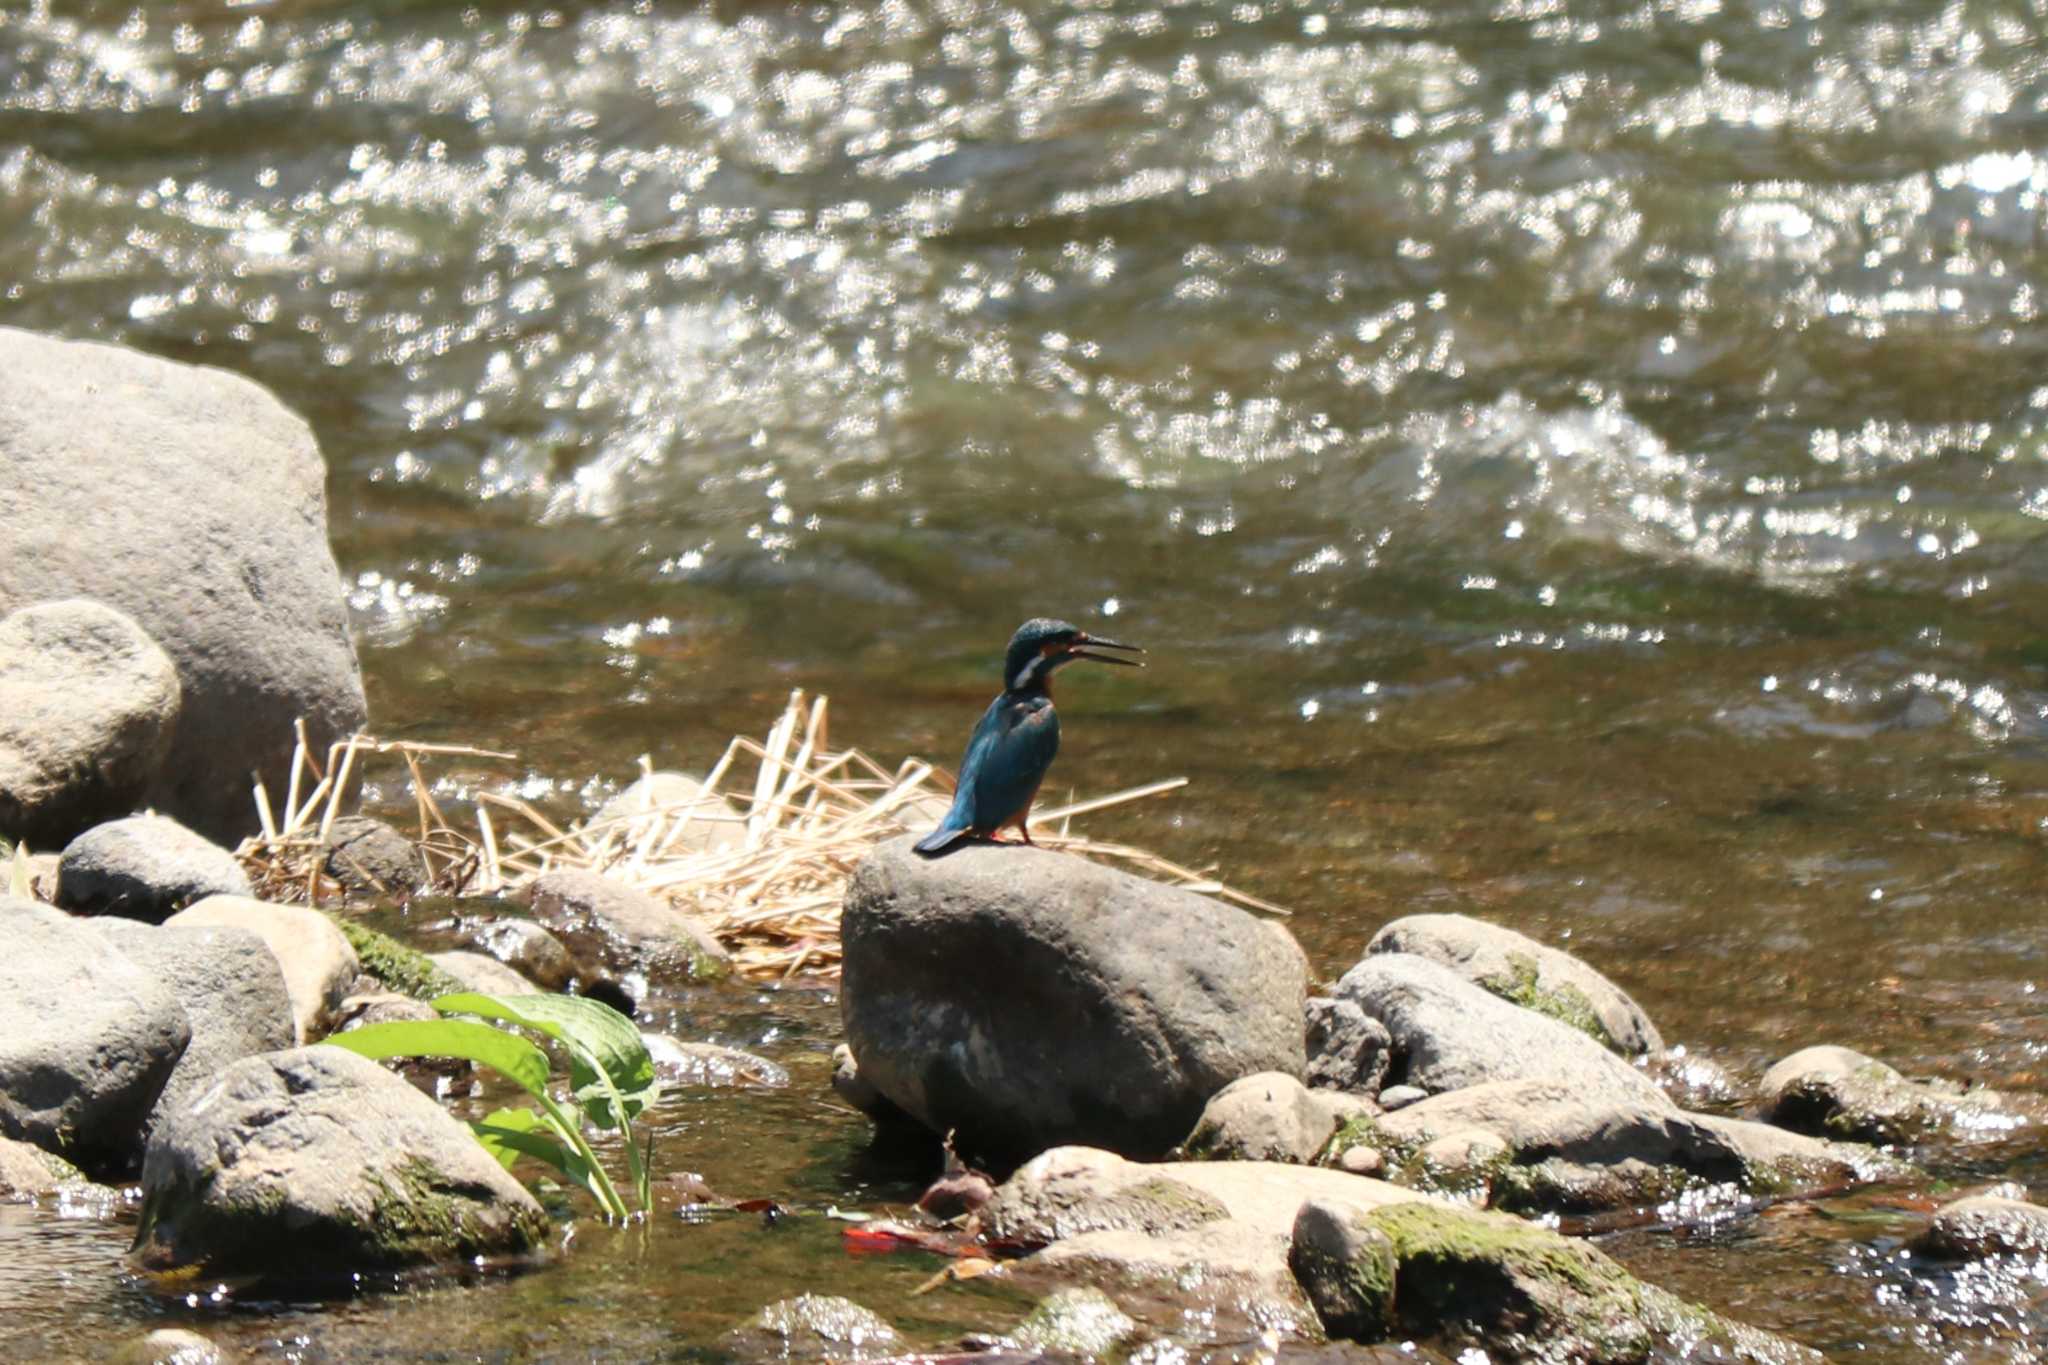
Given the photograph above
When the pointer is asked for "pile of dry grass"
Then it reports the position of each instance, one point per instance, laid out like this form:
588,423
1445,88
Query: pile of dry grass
761,857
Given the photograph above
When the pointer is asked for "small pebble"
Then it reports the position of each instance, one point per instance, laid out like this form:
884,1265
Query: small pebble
1362,1161
1400,1096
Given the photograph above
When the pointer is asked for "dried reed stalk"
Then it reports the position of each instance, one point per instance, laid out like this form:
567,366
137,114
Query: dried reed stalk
762,862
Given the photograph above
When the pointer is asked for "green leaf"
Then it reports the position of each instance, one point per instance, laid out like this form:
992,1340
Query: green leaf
608,1060
509,1134
507,1053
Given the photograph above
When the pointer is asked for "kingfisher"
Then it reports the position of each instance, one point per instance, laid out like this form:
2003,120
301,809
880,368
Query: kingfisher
1018,735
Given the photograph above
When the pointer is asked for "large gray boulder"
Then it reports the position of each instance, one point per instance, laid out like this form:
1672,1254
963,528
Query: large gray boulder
1538,1146
87,1038
194,501
229,984
1449,1033
307,1165
88,707
1030,999
146,867
1536,976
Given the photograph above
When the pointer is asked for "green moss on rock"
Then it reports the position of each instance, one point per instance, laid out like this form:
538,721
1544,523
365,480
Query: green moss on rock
1565,1003
402,969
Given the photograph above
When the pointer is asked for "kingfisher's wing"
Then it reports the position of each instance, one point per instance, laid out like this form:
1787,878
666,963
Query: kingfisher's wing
1020,747
960,817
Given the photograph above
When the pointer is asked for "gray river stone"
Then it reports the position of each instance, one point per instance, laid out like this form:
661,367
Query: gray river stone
1347,1048
1536,976
1029,998
194,501
229,984
88,707
1464,1279
145,867
1212,1234
483,974
318,964
649,809
371,859
1449,1033
1840,1092
1270,1116
306,1165
616,931
814,1327
1539,1146
28,1172
88,1038
526,948
1985,1225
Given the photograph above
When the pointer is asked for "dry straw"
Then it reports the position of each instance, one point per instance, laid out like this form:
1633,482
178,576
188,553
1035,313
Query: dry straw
760,855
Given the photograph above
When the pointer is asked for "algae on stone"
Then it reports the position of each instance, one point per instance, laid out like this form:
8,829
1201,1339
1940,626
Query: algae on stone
1565,1003
402,969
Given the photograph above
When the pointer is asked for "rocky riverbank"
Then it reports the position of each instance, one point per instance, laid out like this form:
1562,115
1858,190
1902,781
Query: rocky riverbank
1157,1120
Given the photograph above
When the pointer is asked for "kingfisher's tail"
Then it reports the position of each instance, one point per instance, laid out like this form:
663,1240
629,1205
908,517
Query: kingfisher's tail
938,840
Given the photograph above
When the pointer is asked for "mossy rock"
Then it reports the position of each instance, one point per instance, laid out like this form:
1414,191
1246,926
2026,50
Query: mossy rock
1522,1292
1080,1322
1563,1002
399,968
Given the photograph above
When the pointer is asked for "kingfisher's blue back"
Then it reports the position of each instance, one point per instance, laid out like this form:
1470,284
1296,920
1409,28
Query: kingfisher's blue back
1006,759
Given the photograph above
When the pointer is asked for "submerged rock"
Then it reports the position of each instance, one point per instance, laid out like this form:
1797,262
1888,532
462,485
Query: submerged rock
194,501
1213,1233
1082,1322
526,948
680,1063
319,967
1512,1290
168,1346
146,867
370,858
1540,1147
1449,1033
88,706
229,984
614,931
306,1165
1985,1225
814,1327
1842,1093
87,1038
1267,1117
1524,972
1028,998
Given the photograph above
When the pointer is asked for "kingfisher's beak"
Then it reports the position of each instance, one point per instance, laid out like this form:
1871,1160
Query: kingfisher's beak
1075,651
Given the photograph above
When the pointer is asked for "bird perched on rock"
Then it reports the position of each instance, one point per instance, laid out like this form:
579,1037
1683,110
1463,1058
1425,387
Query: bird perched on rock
1018,735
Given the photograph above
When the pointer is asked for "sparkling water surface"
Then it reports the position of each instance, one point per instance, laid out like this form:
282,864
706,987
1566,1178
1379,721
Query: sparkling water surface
1581,464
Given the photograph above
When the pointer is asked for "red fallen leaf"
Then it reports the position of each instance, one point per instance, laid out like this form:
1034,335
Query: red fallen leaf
758,1206
882,1237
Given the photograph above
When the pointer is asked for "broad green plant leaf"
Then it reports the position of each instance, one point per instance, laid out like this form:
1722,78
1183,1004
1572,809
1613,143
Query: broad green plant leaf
610,1068
509,1134
507,1053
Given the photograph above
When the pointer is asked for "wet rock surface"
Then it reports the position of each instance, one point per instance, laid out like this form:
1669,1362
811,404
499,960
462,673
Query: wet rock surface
145,867
216,544
486,975
88,707
1028,999
1449,1033
88,1038
616,932
1840,1092
229,984
29,1172
318,965
526,948
1533,975
169,1346
711,1064
815,1327
306,1165
1985,1225
1082,1323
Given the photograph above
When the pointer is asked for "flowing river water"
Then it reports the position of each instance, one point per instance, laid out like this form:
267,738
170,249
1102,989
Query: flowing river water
1579,462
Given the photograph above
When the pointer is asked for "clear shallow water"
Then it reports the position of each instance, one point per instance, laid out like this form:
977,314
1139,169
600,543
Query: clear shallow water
1578,463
